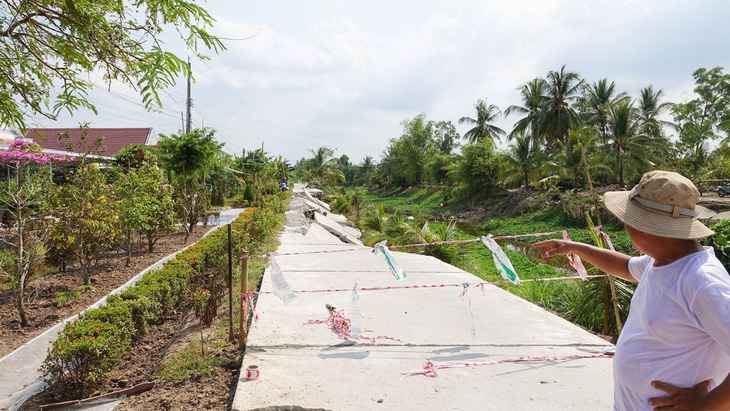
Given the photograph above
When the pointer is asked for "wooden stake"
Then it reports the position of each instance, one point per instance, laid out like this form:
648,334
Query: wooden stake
244,289
230,286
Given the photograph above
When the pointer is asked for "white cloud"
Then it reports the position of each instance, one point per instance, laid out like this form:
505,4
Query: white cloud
345,74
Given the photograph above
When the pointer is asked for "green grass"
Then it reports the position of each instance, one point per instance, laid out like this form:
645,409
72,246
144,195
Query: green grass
190,362
554,220
422,200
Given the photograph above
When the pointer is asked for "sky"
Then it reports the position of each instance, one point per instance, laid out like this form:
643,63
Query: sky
346,74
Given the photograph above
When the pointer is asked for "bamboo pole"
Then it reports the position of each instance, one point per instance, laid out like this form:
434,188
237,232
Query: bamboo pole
619,326
244,289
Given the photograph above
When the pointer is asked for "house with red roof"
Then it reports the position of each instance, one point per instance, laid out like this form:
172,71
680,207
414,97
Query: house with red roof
113,139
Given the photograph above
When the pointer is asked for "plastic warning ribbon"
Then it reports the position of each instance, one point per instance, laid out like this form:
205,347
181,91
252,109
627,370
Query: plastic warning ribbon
340,323
247,305
430,368
575,261
281,287
465,293
599,230
395,268
504,266
405,287
409,245
356,320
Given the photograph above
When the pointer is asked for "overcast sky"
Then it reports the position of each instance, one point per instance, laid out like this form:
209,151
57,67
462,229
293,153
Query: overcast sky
345,74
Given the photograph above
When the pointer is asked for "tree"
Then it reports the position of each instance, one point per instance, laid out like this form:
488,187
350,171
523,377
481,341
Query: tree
558,115
257,165
525,158
483,128
438,167
87,218
146,205
365,170
322,167
188,155
650,107
629,145
406,157
136,155
534,97
24,199
569,161
46,45
596,103
477,170
704,118
446,137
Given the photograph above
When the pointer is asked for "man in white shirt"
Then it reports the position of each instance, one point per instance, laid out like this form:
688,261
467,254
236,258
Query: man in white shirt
674,351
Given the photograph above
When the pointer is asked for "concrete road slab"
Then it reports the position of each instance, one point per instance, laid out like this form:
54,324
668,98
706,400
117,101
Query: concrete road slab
310,366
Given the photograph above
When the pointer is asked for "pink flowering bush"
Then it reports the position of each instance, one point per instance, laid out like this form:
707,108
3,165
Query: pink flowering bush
25,199
22,153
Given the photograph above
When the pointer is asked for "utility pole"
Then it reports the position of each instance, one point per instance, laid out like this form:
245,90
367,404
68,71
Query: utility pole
189,101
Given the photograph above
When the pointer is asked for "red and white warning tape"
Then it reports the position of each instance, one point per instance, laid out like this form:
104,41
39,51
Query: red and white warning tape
430,368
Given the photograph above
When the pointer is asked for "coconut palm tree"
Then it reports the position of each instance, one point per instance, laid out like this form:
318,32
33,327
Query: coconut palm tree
322,167
597,101
569,160
650,107
629,144
482,129
534,96
525,158
366,170
558,115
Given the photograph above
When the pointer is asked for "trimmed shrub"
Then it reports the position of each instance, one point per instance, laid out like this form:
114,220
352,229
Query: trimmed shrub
88,349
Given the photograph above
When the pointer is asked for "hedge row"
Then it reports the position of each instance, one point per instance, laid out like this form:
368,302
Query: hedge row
88,349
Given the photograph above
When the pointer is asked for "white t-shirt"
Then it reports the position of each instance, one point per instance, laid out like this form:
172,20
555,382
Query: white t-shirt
678,330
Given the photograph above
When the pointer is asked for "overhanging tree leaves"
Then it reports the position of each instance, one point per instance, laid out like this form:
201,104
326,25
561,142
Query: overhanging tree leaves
46,46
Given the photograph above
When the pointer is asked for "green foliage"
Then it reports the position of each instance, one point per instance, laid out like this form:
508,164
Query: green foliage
483,129
189,156
200,298
411,201
188,363
137,155
145,204
404,162
703,118
62,297
322,169
123,40
438,167
720,241
87,218
87,350
85,353
477,171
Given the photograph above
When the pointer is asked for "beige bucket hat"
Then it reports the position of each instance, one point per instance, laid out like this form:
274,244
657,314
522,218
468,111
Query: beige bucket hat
662,204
